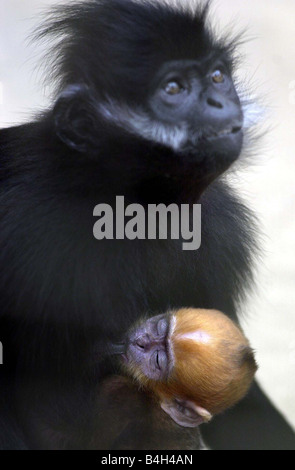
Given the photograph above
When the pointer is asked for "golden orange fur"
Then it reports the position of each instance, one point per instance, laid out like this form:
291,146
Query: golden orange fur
214,364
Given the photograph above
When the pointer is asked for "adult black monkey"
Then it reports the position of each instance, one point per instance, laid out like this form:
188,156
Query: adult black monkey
147,109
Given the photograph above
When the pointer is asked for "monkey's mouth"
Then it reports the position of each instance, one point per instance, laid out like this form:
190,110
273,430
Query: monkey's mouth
228,131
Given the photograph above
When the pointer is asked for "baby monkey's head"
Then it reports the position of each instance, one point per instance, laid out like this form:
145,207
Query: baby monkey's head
197,362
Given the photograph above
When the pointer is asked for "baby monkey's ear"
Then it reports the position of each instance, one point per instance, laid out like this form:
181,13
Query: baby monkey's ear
185,413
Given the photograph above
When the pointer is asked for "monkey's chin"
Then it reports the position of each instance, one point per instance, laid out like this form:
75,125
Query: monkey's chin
227,146
213,156
216,150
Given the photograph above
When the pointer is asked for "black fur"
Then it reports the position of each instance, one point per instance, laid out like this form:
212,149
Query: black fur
61,290
119,46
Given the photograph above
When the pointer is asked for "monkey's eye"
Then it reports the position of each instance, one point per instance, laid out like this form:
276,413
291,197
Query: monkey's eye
157,361
217,76
173,88
160,361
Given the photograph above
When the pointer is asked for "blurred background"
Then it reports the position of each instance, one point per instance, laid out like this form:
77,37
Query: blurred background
268,183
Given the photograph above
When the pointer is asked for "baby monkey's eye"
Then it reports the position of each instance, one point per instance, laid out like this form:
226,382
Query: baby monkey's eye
217,76
157,361
173,88
160,361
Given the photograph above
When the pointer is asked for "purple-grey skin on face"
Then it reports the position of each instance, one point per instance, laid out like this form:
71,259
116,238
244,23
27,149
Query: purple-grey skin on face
148,347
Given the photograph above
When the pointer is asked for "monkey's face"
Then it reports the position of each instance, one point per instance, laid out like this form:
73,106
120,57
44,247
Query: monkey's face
197,100
148,349
192,108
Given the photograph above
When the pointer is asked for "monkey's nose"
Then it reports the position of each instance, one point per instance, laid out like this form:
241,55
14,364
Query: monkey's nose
221,112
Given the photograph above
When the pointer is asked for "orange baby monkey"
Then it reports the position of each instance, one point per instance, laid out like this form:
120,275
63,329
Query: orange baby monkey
196,362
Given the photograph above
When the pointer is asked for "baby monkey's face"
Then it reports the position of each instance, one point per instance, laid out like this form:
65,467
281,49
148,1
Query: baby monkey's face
149,347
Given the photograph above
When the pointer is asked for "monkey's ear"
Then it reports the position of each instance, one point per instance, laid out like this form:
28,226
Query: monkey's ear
76,118
185,413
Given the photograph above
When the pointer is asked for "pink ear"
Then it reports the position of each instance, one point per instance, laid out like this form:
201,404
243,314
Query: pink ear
185,413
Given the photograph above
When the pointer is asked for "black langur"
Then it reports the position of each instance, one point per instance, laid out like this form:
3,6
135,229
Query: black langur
146,108
193,363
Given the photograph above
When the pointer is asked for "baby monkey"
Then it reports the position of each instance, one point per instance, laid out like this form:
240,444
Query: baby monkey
195,362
